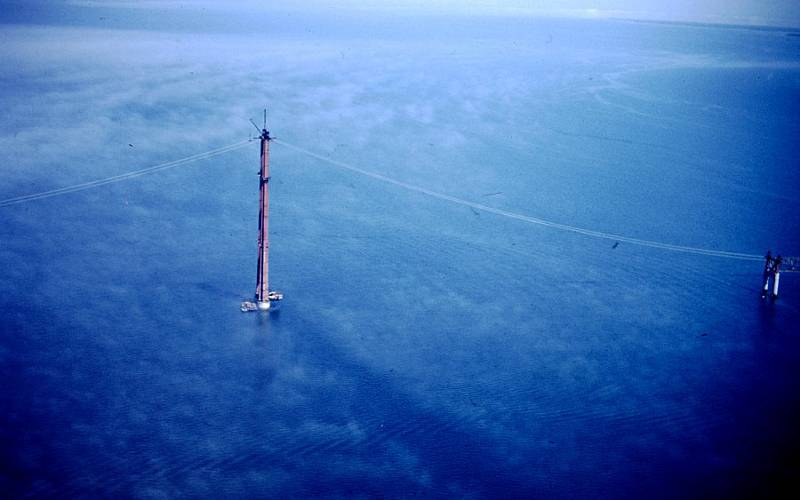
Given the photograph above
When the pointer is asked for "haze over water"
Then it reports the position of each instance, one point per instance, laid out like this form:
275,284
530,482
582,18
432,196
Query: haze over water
424,348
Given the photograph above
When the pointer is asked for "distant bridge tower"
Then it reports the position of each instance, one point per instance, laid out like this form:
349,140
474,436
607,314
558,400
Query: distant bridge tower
773,267
263,294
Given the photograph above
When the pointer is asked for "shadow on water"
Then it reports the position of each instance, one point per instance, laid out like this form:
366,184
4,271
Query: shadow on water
450,450
66,433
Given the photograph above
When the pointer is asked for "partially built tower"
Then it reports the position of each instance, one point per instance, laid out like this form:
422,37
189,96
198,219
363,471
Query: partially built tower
264,296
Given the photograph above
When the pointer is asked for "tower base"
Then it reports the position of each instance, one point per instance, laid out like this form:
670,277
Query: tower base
250,306
261,305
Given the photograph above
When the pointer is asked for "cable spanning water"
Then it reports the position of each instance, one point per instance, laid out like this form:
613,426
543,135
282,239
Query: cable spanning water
122,177
526,218
434,194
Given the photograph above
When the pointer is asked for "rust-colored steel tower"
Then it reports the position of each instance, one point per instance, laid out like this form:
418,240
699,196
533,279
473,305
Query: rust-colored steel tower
263,294
262,281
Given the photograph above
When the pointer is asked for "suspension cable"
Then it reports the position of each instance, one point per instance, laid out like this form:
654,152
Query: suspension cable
122,177
522,217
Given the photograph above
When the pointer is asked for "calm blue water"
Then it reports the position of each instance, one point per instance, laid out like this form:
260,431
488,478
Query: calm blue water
423,349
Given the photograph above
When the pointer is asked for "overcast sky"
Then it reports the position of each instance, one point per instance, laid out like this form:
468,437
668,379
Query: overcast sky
758,12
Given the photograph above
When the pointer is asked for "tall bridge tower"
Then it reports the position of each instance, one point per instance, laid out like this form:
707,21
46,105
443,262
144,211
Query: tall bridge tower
264,296
262,280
